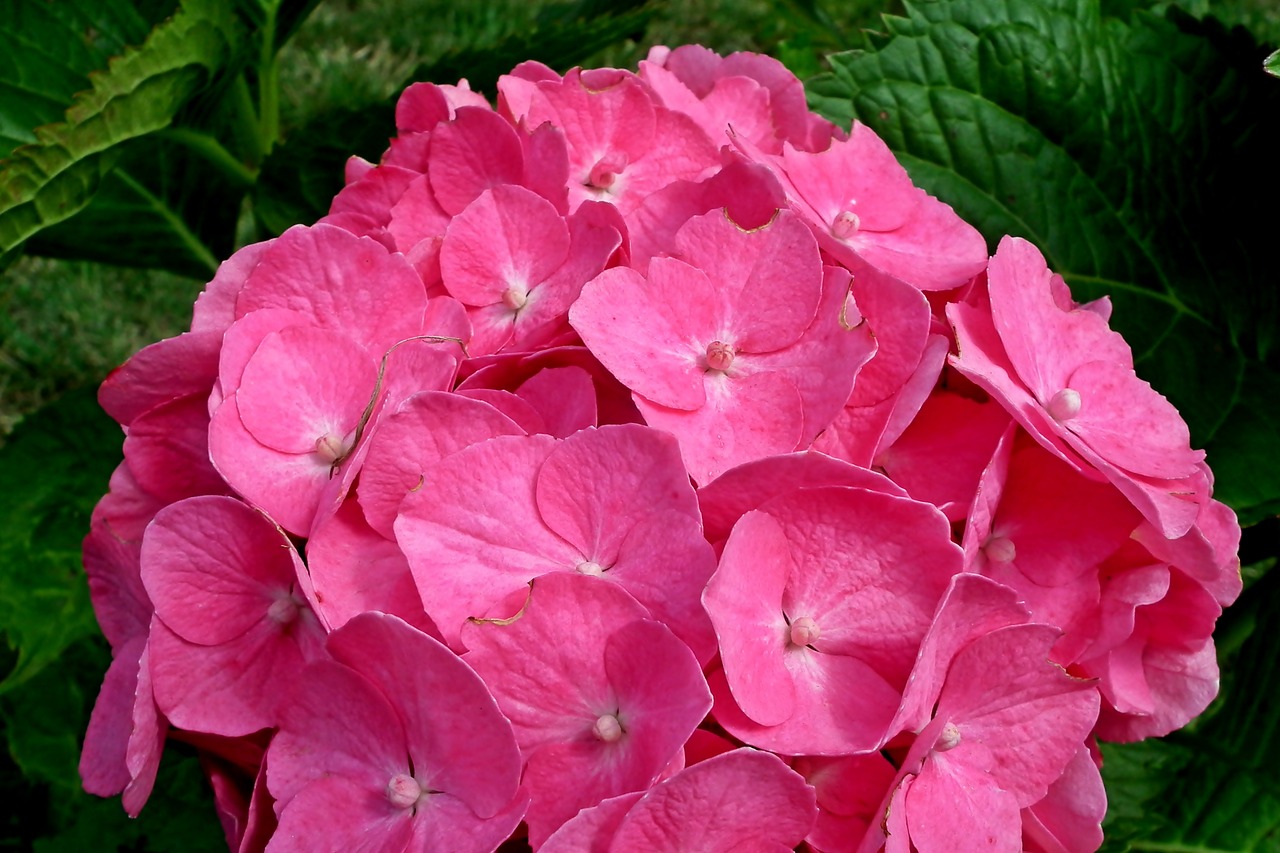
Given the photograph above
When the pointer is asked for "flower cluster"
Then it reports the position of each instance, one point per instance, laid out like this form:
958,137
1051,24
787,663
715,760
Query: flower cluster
646,464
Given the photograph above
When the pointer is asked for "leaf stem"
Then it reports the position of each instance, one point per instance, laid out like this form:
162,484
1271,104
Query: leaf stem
214,153
189,240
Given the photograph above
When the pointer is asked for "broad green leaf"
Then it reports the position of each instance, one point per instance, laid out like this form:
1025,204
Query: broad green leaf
1212,787
1121,149
1273,64
140,92
53,469
48,51
163,206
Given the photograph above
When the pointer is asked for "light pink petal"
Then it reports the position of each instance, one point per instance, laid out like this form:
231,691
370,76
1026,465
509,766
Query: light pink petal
744,600
288,486
241,341
415,219
507,240
955,805
1028,317
899,318
1032,717
303,385
546,164
743,800
632,470
745,418
215,307
972,607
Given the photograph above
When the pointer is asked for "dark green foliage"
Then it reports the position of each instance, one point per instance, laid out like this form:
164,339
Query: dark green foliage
1122,149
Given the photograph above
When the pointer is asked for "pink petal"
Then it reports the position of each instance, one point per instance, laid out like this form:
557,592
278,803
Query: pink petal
167,370
474,152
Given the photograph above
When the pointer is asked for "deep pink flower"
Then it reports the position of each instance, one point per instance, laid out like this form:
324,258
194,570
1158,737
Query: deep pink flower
601,697
369,757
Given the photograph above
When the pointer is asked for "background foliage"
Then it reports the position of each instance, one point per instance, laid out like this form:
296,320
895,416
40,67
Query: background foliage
1119,135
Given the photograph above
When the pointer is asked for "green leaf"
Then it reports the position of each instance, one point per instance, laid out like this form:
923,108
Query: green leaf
140,92
1120,149
1213,786
1272,64
53,468
49,50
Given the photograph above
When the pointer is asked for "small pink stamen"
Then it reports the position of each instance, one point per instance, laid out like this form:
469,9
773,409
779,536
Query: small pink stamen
845,225
403,791
948,738
515,298
1000,549
804,631
590,567
283,610
719,355
607,728
330,448
1064,405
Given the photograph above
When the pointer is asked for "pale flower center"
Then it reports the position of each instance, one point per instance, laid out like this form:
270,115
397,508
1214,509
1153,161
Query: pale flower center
845,225
403,791
804,631
604,174
719,355
607,728
515,298
283,610
1064,405
330,448
948,738
590,567
1000,550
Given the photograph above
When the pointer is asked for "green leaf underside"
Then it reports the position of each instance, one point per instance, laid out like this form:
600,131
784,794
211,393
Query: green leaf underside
140,91
52,470
1119,148
1212,786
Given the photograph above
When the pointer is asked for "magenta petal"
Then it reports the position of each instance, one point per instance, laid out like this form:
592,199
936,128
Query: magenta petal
955,805
507,240
213,567
1069,818
172,368
102,761
464,747
641,330
477,150
369,824
565,397
343,282
633,470
421,431
167,449
592,830
469,548
741,800
303,386
744,599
